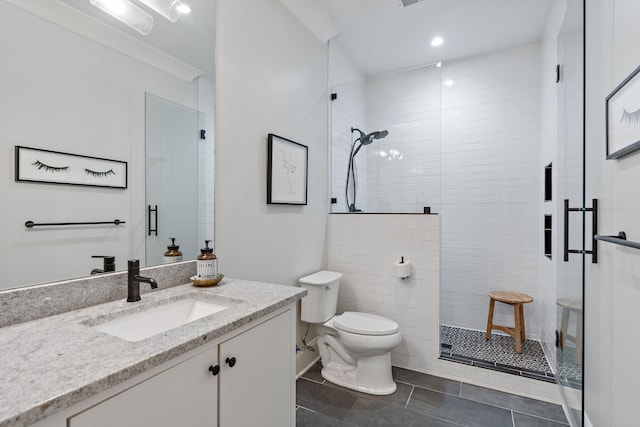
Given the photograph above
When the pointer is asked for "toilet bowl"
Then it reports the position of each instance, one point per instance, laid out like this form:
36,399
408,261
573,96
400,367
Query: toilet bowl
355,348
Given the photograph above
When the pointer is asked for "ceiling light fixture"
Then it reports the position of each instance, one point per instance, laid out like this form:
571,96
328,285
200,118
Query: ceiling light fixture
437,41
170,9
127,13
183,8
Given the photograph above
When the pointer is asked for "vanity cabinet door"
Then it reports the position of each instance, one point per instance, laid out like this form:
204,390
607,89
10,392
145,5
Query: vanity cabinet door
256,376
183,395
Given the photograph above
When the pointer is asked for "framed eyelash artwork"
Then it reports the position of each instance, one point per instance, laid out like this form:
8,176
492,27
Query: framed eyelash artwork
54,167
623,117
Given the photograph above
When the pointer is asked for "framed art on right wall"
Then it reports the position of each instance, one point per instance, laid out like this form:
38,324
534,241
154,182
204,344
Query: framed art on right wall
623,117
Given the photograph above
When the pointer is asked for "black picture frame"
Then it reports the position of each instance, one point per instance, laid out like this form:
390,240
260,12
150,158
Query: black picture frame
623,126
36,165
287,171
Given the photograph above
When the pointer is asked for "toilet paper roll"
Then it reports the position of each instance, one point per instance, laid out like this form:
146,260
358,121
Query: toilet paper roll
402,269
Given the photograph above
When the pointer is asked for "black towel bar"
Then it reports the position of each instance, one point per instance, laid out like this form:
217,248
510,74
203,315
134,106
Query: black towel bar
31,224
620,239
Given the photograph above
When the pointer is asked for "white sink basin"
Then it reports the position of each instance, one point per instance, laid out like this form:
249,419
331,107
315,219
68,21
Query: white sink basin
141,325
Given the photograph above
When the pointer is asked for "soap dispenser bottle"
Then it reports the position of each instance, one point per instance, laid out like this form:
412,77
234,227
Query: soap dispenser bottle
207,263
173,253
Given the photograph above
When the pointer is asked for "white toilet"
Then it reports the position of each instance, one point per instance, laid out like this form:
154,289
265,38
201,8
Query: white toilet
354,347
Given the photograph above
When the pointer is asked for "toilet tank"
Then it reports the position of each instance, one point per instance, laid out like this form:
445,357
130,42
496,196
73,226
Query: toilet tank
322,296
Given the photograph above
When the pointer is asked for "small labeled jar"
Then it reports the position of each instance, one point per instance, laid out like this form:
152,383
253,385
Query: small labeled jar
207,263
173,253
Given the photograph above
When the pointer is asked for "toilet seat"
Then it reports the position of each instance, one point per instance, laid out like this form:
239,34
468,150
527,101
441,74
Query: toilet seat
364,324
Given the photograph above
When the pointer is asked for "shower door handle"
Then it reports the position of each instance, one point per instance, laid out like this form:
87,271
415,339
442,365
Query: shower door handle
594,231
155,211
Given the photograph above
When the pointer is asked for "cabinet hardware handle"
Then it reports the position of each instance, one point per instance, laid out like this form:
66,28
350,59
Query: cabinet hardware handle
215,370
231,361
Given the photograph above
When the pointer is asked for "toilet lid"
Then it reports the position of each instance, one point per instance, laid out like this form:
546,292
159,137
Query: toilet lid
365,324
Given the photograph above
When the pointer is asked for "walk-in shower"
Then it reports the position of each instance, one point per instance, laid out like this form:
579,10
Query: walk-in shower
478,134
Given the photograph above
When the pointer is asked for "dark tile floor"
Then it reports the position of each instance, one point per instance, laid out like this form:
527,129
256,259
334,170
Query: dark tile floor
421,400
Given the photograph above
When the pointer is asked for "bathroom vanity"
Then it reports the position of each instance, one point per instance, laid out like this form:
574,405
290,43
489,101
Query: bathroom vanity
235,367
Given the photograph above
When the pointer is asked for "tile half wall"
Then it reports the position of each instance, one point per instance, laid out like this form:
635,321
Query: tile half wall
364,247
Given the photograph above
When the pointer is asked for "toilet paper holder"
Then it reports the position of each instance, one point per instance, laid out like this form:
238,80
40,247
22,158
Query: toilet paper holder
402,269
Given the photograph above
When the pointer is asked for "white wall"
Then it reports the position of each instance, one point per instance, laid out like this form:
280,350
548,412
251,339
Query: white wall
612,293
63,92
490,187
271,77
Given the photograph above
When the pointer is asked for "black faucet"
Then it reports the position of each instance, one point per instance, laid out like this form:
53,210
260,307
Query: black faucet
109,264
134,279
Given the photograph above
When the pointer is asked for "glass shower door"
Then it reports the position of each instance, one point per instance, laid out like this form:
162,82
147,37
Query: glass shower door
572,211
171,178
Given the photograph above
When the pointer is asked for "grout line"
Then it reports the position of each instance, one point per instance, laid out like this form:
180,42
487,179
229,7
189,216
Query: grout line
409,398
313,381
540,417
307,409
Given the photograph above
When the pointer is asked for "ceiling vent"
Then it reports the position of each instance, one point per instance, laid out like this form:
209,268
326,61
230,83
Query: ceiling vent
407,3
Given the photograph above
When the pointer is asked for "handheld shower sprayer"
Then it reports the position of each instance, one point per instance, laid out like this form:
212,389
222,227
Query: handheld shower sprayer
368,138
363,139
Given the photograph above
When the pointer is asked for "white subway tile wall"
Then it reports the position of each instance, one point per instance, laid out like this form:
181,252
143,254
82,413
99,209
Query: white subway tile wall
404,168
490,186
549,156
364,249
471,151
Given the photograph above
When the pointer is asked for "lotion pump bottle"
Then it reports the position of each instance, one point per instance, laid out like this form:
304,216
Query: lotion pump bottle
173,253
207,263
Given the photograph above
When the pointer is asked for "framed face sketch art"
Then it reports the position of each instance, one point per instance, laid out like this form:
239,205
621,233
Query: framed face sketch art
287,171
54,167
623,117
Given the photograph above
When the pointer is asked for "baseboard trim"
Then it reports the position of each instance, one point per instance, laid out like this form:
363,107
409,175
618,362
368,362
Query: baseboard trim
309,362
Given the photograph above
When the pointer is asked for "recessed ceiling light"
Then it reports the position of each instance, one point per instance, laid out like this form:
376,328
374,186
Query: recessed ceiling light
448,83
439,64
437,41
183,8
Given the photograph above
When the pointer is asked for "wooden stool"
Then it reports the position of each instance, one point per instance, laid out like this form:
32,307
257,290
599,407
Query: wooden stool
516,300
571,305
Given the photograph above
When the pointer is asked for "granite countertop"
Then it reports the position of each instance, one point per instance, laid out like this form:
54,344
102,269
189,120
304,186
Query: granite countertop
49,364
